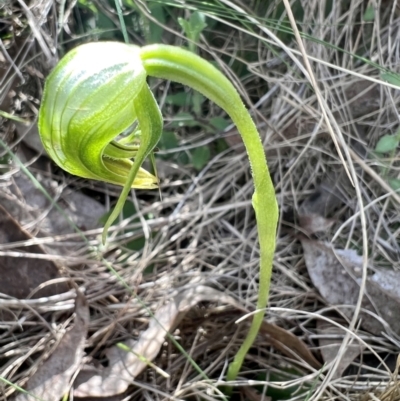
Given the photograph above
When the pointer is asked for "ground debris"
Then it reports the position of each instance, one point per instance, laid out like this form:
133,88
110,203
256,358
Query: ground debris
330,342
336,273
53,378
125,364
21,275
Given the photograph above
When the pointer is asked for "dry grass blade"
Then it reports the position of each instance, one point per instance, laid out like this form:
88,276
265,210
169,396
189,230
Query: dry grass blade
127,363
53,378
125,366
324,107
289,344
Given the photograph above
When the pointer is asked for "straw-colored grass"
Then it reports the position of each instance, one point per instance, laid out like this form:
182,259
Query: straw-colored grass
204,227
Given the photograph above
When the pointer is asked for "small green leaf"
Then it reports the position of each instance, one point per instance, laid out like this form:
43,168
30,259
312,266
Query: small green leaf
197,101
219,123
197,22
391,78
200,157
105,27
369,14
136,244
183,158
193,28
387,143
185,25
395,184
168,140
88,5
178,99
155,31
221,145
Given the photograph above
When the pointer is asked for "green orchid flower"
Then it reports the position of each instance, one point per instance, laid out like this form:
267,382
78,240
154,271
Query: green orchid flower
98,91
95,93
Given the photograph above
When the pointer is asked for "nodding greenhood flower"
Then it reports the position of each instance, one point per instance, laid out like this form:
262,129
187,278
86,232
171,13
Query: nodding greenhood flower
94,94
98,91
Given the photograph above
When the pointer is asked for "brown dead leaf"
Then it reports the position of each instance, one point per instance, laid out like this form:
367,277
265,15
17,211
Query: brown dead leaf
53,378
383,291
330,344
313,223
20,275
336,275
251,394
314,210
26,203
323,200
330,275
125,366
288,344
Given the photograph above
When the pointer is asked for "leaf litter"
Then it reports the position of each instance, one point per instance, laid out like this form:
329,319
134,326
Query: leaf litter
20,276
53,378
25,202
330,340
127,363
336,273
294,139
55,375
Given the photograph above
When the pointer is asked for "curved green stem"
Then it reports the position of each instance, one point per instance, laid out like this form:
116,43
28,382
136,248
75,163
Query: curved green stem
182,66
